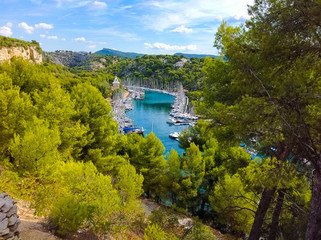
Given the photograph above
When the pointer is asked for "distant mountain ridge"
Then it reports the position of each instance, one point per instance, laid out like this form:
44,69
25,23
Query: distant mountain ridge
196,55
108,51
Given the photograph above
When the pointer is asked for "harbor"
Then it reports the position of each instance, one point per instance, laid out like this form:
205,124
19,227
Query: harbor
141,110
152,114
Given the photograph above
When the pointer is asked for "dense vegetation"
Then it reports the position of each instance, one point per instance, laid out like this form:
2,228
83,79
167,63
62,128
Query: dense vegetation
159,71
190,55
61,152
116,53
269,92
13,42
60,148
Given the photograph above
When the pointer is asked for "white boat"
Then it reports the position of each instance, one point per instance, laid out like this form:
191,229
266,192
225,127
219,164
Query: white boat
174,135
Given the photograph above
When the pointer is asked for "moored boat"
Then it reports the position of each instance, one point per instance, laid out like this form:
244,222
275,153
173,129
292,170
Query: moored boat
174,135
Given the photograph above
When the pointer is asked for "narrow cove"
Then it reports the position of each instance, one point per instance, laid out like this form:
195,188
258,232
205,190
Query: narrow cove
152,114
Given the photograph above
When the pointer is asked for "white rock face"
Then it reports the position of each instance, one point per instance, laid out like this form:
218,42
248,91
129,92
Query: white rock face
6,53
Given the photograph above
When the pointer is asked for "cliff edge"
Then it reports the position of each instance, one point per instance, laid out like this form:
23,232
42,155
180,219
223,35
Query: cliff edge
11,47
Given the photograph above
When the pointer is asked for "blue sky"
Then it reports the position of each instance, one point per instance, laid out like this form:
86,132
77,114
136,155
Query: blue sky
152,27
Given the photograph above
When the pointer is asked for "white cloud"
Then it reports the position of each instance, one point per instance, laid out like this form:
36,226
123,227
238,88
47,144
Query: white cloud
164,46
6,30
26,27
126,7
63,39
98,5
48,37
182,29
92,47
52,37
44,26
80,39
169,13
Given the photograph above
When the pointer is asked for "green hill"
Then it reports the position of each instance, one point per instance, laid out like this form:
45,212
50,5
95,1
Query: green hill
108,51
196,55
13,42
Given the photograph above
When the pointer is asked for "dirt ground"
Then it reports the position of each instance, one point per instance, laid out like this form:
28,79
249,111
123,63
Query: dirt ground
31,227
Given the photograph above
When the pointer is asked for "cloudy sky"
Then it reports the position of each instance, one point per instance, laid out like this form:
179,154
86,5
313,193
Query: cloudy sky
153,27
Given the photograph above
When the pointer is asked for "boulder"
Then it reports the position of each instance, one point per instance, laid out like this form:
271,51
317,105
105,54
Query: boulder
7,205
3,225
2,216
4,232
12,211
9,235
2,202
12,220
15,226
2,195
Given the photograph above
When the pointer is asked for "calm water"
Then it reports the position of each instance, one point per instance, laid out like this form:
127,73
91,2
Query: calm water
153,112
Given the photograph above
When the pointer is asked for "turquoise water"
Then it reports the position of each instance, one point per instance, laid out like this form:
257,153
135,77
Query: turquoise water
152,114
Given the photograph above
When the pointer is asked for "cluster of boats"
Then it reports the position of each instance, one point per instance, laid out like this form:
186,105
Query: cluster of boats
179,113
180,121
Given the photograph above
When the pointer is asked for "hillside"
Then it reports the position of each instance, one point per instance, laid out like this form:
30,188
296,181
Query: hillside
196,55
11,47
160,71
13,42
69,58
107,51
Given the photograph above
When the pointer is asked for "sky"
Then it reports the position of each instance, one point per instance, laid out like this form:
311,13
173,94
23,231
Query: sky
150,27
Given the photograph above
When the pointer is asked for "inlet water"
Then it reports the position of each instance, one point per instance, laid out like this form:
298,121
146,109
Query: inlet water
152,114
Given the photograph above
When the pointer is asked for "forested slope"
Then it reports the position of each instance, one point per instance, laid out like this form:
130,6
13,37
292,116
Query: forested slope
60,149
61,152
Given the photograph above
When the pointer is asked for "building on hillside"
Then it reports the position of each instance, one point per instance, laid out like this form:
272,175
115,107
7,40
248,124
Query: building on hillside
116,83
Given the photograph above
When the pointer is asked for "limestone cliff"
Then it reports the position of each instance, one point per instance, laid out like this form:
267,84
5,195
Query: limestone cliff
69,58
29,53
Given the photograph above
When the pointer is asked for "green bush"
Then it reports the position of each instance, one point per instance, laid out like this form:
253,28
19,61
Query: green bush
166,218
154,232
68,215
199,231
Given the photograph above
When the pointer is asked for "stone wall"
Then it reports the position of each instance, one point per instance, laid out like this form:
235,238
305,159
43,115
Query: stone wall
6,53
9,220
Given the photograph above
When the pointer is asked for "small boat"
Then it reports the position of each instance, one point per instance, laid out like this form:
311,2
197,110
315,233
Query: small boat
174,135
176,122
134,130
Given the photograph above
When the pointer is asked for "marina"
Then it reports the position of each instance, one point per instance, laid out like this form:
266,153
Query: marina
152,114
143,110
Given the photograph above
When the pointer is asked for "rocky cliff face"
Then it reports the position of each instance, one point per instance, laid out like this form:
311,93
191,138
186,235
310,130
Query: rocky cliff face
68,58
31,54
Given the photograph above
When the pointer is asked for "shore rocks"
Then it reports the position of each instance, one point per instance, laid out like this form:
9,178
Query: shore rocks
9,220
